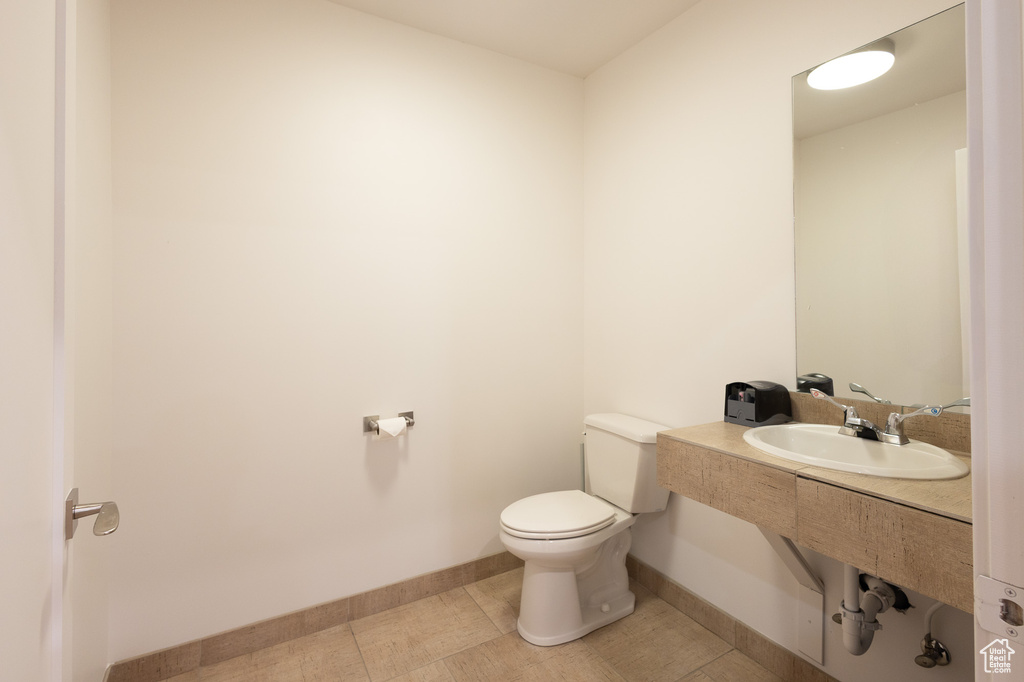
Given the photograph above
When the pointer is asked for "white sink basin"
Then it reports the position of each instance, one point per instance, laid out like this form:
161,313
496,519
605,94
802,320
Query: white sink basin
823,446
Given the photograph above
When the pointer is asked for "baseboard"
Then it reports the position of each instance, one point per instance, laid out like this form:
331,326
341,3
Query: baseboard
775,658
177,660
183,658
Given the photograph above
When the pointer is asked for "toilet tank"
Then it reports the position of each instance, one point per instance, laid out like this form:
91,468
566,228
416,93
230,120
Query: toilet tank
621,462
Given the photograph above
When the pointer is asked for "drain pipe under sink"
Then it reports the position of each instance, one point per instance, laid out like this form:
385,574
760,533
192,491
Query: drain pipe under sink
860,608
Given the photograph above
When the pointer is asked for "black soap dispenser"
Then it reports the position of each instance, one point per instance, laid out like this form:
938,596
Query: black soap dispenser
757,403
805,382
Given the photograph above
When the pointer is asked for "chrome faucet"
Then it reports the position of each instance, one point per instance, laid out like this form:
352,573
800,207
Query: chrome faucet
894,424
854,425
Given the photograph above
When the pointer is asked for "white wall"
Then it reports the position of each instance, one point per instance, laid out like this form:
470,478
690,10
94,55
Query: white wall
689,274
877,254
319,216
29,637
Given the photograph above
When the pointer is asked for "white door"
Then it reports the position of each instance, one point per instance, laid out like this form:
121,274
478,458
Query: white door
996,205
30,620
87,337
52,599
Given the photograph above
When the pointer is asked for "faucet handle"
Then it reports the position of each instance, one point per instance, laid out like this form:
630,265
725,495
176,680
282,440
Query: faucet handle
931,410
857,388
963,402
894,424
852,423
847,409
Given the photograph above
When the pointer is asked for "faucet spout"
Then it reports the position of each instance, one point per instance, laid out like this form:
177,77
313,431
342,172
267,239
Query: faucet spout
865,429
853,423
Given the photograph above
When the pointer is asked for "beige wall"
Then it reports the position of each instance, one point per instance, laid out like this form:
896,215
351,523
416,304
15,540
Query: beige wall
689,275
319,216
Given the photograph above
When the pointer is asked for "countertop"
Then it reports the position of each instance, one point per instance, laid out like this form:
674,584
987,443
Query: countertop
949,498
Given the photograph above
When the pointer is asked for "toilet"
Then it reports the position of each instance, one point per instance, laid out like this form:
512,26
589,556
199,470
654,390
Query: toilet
575,543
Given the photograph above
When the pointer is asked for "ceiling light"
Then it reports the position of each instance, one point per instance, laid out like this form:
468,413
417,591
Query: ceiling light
860,66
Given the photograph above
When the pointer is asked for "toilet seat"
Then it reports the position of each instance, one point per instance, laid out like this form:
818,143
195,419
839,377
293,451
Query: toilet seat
557,515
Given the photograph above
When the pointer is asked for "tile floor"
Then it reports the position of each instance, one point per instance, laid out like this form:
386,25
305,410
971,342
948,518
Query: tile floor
469,633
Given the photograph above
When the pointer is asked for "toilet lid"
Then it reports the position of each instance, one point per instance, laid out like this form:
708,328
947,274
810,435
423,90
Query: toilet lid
558,515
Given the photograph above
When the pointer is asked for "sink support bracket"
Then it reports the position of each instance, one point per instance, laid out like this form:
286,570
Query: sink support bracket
811,610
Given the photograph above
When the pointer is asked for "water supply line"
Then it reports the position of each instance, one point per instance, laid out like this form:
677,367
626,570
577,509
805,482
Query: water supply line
860,608
933,652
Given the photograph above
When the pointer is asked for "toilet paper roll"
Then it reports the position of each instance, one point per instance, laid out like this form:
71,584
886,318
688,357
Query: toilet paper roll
390,428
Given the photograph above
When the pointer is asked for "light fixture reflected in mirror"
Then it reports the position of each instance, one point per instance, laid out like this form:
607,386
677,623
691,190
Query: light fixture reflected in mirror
860,66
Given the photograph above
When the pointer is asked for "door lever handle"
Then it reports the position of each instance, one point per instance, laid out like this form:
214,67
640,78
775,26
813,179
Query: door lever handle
107,515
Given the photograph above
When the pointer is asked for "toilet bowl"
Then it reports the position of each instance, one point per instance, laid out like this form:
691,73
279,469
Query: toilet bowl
575,579
574,544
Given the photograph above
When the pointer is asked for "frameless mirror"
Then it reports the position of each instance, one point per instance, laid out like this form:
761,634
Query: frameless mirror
880,223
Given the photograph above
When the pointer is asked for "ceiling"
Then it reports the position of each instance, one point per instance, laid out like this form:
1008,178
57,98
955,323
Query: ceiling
579,36
571,36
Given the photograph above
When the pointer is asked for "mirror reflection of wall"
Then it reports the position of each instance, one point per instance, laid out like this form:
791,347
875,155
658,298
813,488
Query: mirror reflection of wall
878,254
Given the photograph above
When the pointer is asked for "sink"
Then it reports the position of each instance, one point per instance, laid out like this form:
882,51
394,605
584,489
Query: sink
823,446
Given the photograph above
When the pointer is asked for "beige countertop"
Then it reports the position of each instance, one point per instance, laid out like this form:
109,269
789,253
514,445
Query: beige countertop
950,498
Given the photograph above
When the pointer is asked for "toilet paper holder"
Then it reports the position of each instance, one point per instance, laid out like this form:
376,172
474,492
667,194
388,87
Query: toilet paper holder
370,423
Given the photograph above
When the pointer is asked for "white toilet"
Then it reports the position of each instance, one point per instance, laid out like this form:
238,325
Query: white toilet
575,544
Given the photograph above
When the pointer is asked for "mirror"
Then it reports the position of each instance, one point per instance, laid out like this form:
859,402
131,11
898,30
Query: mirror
881,252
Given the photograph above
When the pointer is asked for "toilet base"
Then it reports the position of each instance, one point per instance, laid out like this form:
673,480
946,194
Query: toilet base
568,594
593,617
